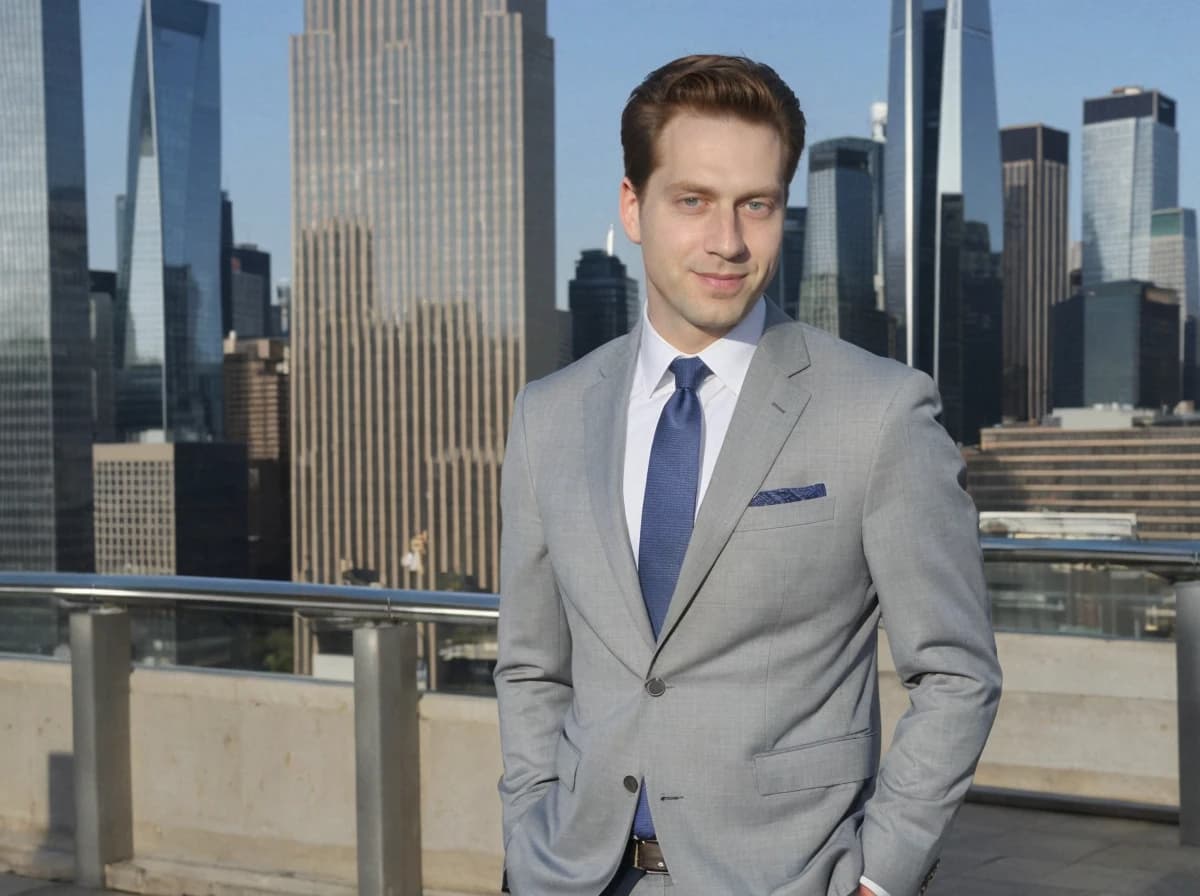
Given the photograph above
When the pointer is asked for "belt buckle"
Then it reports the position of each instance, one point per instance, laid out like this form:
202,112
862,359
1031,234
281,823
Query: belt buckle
638,861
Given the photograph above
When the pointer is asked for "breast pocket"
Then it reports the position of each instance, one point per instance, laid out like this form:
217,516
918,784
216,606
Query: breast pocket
794,513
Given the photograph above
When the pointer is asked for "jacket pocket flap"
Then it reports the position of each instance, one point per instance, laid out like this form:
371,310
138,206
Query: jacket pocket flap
824,763
566,762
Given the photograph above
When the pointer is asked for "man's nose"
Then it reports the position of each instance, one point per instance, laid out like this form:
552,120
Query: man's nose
725,236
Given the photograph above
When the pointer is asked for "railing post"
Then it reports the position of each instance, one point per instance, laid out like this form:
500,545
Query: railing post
100,660
1187,666
387,761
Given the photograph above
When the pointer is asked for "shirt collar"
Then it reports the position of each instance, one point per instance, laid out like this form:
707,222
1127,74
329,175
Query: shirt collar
728,358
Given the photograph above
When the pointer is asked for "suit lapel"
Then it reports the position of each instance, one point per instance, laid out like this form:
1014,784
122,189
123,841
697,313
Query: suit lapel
605,406
768,406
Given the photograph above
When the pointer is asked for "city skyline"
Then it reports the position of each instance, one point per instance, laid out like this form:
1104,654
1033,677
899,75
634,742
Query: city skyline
835,59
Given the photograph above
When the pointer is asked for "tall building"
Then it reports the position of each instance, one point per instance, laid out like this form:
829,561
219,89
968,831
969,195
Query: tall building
837,292
604,301
423,277
1117,343
171,509
1175,264
281,310
45,407
943,205
226,263
249,291
168,315
1035,162
784,288
1130,168
102,298
256,415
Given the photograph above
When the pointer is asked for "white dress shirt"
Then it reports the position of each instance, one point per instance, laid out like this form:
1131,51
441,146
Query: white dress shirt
653,384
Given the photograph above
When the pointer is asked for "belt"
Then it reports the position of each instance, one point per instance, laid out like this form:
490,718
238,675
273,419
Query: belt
645,855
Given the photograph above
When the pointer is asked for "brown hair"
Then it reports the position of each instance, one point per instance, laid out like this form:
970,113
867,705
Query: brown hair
721,85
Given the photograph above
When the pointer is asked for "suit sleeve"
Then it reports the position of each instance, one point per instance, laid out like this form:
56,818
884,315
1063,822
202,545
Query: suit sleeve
533,667
921,539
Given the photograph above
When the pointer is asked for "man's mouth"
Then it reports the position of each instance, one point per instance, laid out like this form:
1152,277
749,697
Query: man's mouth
722,282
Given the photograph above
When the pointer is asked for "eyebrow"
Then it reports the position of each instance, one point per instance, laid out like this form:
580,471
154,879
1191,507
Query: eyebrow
684,186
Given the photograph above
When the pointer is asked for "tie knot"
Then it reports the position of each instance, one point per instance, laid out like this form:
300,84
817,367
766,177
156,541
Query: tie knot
689,373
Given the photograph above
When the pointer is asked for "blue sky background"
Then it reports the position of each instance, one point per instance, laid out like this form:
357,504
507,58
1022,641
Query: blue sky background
1050,55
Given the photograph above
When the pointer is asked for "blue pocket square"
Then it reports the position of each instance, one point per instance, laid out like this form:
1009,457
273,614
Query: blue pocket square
788,495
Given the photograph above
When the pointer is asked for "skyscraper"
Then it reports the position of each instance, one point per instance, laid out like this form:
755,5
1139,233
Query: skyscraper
784,288
1035,261
1117,343
604,301
1130,168
168,314
423,204
837,292
1174,264
943,204
256,415
249,291
103,292
45,365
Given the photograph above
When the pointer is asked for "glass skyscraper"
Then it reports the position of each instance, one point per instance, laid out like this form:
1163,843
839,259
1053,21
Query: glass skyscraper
943,206
604,301
45,361
168,313
837,292
1130,168
1174,262
423,294
784,288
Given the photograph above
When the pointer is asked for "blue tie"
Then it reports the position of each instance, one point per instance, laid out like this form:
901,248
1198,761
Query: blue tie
669,510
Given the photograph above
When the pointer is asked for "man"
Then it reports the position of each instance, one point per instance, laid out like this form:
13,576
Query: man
704,522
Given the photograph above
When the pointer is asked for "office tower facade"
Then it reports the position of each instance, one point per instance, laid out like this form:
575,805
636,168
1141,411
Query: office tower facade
423,277
1094,468
1035,160
604,301
171,509
1117,343
784,288
102,299
256,415
250,291
943,205
45,467
168,314
1130,168
1175,264
837,292
226,264
281,310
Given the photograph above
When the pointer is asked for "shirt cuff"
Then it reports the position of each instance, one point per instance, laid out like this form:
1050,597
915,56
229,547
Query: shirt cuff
873,887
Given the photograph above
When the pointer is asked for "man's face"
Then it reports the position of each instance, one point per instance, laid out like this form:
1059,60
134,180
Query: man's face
710,224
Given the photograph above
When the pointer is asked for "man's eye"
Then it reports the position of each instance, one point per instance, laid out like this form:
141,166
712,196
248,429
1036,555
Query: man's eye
690,201
758,206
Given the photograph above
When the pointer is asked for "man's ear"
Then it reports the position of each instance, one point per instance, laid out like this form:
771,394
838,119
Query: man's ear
630,209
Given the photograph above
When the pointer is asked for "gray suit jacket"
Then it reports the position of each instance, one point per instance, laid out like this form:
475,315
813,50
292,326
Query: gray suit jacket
761,755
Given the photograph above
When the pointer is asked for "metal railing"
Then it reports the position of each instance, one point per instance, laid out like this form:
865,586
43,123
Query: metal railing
385,645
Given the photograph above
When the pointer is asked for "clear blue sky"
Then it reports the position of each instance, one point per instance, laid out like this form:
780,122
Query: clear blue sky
1050,55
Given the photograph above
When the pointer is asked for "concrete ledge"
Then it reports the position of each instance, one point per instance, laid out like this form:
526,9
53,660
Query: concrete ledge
46,859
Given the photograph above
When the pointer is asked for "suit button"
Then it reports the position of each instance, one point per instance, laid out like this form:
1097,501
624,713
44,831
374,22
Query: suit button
631,783
656,687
